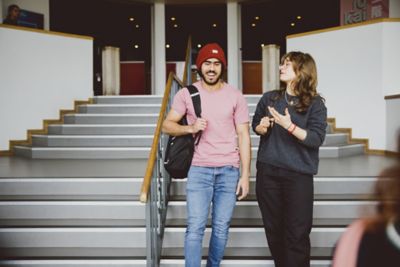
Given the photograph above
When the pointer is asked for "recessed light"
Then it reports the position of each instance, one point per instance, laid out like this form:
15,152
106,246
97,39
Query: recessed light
253,25
137,26
198,45
136,46
131,19
262,45
173,18
292,24
167,46
256,17
175,25
214,25
298,17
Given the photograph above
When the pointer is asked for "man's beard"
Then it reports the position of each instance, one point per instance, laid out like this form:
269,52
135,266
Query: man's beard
210,83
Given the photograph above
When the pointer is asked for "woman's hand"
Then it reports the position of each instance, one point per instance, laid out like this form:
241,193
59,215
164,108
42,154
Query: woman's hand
283,120
265,123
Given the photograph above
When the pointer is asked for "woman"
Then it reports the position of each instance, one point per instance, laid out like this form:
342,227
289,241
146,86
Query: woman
292,125
375,241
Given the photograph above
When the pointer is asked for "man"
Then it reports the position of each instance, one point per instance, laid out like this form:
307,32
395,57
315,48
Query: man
224,143
12,15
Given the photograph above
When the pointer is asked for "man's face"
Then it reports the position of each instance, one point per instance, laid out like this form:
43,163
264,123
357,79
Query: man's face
14,14
211,71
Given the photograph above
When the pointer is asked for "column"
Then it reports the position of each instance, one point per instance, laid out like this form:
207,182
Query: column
158,66
270,67
234,43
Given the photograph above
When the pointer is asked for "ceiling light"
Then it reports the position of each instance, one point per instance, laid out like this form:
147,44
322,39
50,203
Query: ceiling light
292,24
173,18
298,17
175,25
253,25
167,46
214,25
136,46
256,17
137,26
198,45
131,19
262,45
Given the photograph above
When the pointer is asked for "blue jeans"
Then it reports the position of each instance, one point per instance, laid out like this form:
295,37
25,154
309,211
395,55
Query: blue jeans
206,185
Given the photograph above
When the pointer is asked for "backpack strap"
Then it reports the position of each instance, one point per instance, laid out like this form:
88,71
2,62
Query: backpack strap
195,95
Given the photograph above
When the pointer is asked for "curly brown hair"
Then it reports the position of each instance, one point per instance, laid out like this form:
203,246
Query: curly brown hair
305,83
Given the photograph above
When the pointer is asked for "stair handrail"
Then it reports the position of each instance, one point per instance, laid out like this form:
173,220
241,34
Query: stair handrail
156,182
187,73
144,192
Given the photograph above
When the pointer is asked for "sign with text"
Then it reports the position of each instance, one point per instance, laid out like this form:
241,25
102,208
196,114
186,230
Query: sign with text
354,11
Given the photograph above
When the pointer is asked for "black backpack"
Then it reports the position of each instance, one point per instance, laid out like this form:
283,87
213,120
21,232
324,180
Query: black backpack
179,153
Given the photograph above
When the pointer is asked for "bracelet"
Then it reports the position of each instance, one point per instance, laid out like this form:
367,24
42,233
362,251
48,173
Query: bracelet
289,126
294,128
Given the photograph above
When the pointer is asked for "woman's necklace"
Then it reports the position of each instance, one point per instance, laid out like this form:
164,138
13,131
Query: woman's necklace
291,102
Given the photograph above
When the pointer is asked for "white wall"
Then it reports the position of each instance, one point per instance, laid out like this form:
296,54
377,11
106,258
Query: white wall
38,6
351,62
394,9
40,73
393,123
391,58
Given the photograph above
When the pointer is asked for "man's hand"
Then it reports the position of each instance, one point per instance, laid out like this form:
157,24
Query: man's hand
243,187
199,125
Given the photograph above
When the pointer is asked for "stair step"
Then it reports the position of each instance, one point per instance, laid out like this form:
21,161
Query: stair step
119,108
341,151
325,212
131,242
110,118
150,99
240,263
333,139
92,140
102,129
75,188
73,263
143,152
136,99
325,188
72,242
72,213
250,242
82,152
124,140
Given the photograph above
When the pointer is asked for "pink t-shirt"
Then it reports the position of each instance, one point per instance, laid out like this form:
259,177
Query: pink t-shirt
223,109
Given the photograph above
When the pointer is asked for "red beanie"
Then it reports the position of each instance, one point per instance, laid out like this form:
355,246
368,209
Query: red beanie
210,51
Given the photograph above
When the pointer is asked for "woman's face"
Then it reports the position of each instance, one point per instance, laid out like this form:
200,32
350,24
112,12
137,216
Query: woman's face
286,71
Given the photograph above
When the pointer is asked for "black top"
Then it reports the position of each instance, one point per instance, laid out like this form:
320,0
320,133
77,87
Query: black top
377,250
281,149
10,22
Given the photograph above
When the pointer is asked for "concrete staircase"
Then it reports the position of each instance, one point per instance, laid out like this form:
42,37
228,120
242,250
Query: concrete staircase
65,221
122,128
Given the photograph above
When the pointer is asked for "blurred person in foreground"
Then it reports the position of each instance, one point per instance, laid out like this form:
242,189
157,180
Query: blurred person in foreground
375,241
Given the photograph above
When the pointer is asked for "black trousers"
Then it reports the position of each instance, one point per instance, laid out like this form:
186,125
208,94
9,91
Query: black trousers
285,199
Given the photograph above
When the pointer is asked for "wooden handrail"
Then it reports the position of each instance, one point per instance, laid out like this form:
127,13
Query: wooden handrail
187,59
154,147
